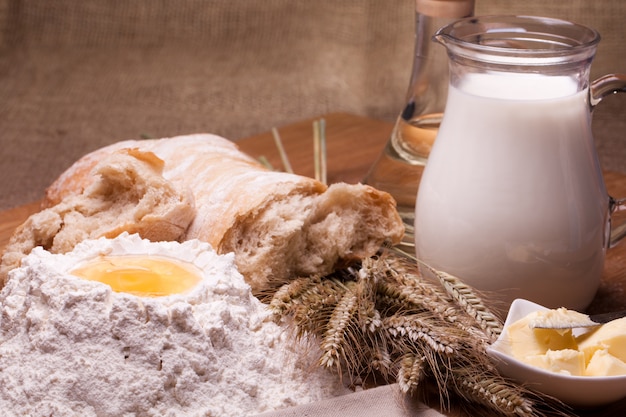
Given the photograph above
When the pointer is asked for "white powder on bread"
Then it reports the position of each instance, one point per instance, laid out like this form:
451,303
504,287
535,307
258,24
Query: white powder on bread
73,347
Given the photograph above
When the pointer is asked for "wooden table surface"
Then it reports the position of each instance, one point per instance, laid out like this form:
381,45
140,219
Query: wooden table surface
353,144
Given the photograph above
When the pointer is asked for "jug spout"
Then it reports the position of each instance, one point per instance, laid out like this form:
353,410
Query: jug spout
441,38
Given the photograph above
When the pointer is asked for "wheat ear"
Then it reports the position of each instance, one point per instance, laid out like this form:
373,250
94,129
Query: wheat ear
470,302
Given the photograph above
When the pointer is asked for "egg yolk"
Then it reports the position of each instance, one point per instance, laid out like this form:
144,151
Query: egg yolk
145,276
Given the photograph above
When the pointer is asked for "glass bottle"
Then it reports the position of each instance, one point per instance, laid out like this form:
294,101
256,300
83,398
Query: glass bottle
399,167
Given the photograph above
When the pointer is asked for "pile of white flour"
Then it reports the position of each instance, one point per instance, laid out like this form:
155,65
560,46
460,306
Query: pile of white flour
73,347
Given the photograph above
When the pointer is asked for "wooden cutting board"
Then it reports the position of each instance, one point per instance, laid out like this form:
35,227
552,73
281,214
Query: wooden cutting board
353,144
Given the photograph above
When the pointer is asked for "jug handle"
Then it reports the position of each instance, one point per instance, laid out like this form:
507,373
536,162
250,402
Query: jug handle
600,88
617,232
603,86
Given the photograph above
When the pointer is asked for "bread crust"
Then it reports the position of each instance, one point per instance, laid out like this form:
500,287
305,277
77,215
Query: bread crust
226,183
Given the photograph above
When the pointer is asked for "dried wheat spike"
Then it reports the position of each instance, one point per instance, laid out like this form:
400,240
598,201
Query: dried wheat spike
494,392
411,372
406,276
466,298
339,325
284,297
399,298
416,329
381,360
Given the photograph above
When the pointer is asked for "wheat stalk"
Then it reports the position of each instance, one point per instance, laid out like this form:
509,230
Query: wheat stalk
319,152
281,151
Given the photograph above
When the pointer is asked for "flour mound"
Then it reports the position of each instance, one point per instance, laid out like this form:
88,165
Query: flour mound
73,347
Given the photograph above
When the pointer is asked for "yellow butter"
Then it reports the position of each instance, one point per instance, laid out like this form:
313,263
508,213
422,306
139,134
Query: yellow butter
597,352
602,363
527,341
610,336
566,361
560,317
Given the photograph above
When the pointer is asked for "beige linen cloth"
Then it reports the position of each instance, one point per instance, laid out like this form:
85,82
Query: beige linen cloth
77,75
385,401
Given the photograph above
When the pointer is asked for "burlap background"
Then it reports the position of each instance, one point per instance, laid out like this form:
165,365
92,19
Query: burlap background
76,75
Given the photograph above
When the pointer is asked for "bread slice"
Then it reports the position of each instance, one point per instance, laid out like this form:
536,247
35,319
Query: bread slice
127,194
279,225
303,235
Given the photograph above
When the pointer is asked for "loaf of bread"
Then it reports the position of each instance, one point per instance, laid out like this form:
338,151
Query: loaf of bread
279,225
126,192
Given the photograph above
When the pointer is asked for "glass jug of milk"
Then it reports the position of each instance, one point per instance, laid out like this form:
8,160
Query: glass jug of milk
512,200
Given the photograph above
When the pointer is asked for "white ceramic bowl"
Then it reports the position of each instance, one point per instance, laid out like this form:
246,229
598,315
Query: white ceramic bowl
577,391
